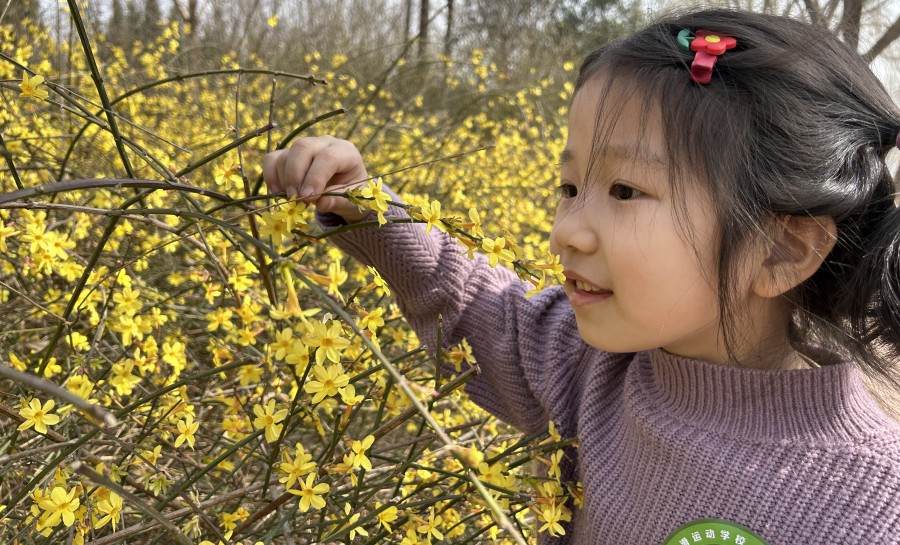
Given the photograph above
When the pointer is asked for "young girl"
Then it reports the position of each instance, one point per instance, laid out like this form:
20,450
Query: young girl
732,251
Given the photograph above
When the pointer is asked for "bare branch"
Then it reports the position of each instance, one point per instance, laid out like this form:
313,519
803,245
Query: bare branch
890,36
850,22
812,8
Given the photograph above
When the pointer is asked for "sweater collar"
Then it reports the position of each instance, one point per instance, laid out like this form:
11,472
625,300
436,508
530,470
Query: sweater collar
827,404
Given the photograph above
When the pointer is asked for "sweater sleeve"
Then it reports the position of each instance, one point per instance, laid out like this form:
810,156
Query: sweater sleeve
527,350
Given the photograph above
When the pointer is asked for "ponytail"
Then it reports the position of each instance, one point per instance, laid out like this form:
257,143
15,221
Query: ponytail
873,289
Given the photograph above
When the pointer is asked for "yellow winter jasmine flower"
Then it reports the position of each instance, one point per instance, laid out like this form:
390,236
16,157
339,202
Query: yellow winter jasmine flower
186,430
538,287
378,281
60,505
386,516
79,342
555,458
551,514
554,437
246,337
292,214
231,520
58,245
492,473
275,226
411,538
152,456
372,320
250,374
351,523
6,231
111,508
374,190
310,494
459,354
128,301
52,368
211,291
359,449
555,268
497,251
431,214
298,354
336,276
430,527
38,415
292,303
32,88
576,492
228,176
269,419
240,282
518,251
349,396
219,318
80,385
284,342
16,363
328,381
174,355
474,224
294,468
122,379
328,340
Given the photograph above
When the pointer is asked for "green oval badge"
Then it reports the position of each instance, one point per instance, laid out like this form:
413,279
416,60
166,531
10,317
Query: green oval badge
713,532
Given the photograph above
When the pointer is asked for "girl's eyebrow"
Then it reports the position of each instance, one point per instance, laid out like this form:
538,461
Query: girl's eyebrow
640,152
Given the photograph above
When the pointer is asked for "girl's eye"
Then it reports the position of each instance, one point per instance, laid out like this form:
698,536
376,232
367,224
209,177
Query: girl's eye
622,192
566,191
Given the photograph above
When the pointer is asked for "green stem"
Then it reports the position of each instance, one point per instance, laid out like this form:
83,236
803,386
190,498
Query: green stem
98,83
9,162
106,183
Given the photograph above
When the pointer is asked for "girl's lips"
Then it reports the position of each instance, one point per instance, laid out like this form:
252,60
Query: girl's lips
580,298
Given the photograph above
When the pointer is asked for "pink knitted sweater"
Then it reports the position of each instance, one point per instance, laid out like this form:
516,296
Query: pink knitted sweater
726,455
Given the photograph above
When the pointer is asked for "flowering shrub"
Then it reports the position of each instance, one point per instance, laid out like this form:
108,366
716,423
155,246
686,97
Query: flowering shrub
187,360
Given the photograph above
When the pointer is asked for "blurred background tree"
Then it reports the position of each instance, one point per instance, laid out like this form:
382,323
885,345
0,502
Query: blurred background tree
524,40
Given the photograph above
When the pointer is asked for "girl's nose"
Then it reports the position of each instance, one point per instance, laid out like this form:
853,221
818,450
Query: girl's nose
572,231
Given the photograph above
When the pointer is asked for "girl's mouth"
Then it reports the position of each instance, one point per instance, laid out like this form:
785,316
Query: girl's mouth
583,293
586,286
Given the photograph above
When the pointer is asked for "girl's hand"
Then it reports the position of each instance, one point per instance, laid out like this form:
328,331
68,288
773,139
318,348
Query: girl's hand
314,165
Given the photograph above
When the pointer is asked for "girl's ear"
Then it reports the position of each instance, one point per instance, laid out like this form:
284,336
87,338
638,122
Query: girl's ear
795,249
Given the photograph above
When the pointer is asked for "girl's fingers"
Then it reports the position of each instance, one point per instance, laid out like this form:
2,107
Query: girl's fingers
314,165
296,164
338,163
270,171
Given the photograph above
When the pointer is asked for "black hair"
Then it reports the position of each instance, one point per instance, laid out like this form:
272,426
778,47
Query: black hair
793,123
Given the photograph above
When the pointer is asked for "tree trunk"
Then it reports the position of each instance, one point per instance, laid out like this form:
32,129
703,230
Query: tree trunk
448,36
423,28
407,19
188,15
850,22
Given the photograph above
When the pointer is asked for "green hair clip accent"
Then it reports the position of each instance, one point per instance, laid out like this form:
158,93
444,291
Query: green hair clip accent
684,39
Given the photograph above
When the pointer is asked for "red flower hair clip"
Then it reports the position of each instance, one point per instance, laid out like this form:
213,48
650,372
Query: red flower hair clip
708,46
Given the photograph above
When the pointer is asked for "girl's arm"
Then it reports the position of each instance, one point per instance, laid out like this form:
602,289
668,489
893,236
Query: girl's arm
528,350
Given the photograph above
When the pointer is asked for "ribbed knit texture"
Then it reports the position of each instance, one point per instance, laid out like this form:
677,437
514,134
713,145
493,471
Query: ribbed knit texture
796,456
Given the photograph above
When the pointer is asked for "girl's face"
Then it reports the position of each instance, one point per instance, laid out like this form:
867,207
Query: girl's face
634,280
